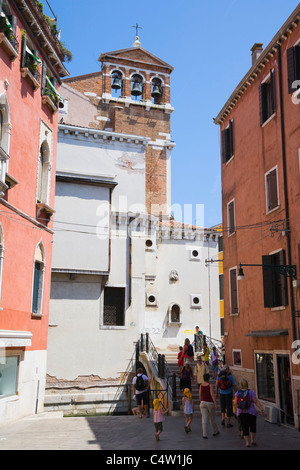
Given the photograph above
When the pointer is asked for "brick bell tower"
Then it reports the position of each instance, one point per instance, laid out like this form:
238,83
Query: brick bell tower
135,99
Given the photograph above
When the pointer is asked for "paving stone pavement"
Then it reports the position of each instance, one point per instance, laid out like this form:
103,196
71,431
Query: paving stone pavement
125,433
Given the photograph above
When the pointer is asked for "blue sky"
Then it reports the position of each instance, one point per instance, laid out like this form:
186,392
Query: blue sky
207,43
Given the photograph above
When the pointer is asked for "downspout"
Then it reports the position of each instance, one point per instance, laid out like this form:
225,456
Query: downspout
285,187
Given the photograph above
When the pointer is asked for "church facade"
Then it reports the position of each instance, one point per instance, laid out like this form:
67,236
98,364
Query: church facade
121,265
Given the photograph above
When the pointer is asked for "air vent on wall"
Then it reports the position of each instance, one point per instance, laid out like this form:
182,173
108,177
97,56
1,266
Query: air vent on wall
195,254
196,301
151,299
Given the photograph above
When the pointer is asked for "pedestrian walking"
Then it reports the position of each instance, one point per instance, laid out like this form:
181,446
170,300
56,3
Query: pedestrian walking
208,406
198,339
188,408
180,360
158,417
225,385
140,386
188,352
206,352
199,370
246,403
214,361
186,377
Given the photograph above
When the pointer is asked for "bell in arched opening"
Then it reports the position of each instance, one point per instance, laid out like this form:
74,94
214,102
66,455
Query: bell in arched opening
116,84
136,89
156,92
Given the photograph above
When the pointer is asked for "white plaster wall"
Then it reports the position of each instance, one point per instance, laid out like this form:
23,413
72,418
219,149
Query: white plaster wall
122,161
81,227
194,278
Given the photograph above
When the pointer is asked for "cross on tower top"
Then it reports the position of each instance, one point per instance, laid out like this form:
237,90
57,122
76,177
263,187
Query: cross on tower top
137,27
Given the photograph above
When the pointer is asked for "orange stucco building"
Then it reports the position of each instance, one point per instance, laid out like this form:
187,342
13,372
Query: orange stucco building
31,64
260,142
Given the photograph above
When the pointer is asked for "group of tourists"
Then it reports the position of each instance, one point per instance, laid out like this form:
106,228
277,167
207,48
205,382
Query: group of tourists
240,402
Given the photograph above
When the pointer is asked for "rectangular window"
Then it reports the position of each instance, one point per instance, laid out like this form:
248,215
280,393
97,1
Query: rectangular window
237,357
228,143
265,376
267,98
231,217
8,375
234,309
272,201
293,68
220,244
221,286
274,283
114,306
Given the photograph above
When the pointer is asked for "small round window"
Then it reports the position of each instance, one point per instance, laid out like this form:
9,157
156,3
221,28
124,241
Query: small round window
151,299
149,243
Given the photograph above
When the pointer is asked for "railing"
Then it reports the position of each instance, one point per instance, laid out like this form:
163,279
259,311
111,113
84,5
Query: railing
211,342
8,33
159,365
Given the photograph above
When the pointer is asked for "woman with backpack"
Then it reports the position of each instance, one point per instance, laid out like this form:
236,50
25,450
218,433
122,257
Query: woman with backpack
188,352
245,401
186,378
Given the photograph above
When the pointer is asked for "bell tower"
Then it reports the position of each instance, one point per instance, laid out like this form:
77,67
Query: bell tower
135,99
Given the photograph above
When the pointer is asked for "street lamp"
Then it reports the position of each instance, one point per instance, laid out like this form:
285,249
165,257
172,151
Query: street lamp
284,269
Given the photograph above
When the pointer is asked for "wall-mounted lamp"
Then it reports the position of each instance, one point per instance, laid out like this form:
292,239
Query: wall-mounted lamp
283,269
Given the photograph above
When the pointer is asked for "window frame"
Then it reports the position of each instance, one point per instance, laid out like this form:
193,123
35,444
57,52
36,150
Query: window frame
231,229
38,287
293,67
271,398
231,291
275,287
267,190
267,98
227,140
18,356
111,326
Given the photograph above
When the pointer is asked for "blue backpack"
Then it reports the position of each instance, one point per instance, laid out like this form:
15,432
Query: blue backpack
243,399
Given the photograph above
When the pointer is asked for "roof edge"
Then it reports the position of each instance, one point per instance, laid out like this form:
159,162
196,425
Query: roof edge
293,20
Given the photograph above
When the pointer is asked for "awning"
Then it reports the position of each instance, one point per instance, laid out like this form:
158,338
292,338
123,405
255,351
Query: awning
268,333
10,338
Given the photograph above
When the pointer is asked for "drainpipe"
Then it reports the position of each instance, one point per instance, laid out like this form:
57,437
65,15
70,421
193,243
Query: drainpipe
285,187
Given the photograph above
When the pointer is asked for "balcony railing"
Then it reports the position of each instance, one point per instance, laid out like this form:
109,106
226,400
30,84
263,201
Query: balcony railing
9,40
30,70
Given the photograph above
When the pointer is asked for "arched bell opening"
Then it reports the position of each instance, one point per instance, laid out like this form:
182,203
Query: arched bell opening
156,91
116,84
137,87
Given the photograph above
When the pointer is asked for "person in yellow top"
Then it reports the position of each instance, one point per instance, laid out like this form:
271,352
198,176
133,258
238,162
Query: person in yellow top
206,352
199,370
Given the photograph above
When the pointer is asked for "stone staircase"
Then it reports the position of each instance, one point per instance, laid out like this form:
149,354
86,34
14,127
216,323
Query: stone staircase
171,359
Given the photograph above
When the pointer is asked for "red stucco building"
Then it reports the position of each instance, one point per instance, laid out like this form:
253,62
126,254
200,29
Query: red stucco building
260,147
31,64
